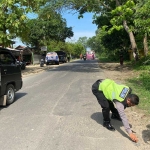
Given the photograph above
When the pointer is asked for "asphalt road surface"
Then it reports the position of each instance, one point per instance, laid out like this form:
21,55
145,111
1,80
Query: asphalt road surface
56,110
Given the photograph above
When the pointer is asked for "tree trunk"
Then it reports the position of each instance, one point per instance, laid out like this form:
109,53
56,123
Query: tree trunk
132,40
145,45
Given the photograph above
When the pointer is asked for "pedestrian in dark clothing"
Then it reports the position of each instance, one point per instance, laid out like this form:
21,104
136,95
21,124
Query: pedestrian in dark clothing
108,92
121,57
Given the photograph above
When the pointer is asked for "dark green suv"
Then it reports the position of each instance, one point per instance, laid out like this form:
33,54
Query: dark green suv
10,77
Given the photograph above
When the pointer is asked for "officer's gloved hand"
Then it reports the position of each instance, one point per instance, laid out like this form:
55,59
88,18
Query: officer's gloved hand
133,137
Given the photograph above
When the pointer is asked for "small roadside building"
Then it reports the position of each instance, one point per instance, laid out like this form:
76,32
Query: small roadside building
28,55
16,53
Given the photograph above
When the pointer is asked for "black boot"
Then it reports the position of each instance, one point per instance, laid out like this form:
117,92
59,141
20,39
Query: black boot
115,116
108,125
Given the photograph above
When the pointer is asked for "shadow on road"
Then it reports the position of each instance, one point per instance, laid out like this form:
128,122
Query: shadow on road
79,66
117,124
17,97
146,134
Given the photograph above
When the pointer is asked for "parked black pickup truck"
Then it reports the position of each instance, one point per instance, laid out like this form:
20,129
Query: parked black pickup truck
10,77
62,56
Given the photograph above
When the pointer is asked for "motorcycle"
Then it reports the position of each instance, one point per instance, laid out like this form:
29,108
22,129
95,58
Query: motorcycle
42,63
84,57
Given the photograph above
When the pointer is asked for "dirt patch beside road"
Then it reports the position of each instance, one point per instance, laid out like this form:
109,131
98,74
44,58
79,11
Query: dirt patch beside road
138,119
33,69
117,72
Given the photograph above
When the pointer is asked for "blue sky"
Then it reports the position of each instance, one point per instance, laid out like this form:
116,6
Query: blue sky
81,27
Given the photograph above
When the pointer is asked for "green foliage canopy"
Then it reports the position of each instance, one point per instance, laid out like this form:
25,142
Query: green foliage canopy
49,26
142,16
13,17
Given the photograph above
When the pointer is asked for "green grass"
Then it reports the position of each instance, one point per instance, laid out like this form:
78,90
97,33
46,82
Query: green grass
106,60
141,87
141,84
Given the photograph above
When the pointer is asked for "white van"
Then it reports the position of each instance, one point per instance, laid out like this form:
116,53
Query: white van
51,58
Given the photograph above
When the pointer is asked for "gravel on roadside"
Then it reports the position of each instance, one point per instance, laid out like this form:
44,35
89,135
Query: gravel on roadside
34,69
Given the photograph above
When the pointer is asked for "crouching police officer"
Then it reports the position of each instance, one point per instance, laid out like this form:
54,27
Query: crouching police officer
107,92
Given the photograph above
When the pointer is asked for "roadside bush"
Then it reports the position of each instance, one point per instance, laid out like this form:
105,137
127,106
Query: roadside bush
140,86
145,79
142,64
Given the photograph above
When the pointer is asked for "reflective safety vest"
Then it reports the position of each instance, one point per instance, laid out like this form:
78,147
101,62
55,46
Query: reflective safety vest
112,90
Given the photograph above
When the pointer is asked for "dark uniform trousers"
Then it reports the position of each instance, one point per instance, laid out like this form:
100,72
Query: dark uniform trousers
106,104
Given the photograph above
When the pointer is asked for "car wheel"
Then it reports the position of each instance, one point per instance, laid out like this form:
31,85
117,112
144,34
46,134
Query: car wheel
10,94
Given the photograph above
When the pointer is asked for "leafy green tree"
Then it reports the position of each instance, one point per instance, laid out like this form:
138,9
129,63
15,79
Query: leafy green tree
121,10
34,33
48,27
91,43
107,44
123,18
78,49
54,23
142,21
83,41
56,45
69,48
13,18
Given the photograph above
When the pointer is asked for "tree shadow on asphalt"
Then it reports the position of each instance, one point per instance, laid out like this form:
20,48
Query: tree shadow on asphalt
117,124
88,67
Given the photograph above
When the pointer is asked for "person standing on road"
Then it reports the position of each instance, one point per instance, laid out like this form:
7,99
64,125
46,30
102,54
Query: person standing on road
108,92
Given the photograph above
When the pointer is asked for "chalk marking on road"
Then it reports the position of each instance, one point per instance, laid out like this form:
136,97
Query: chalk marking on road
63,94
